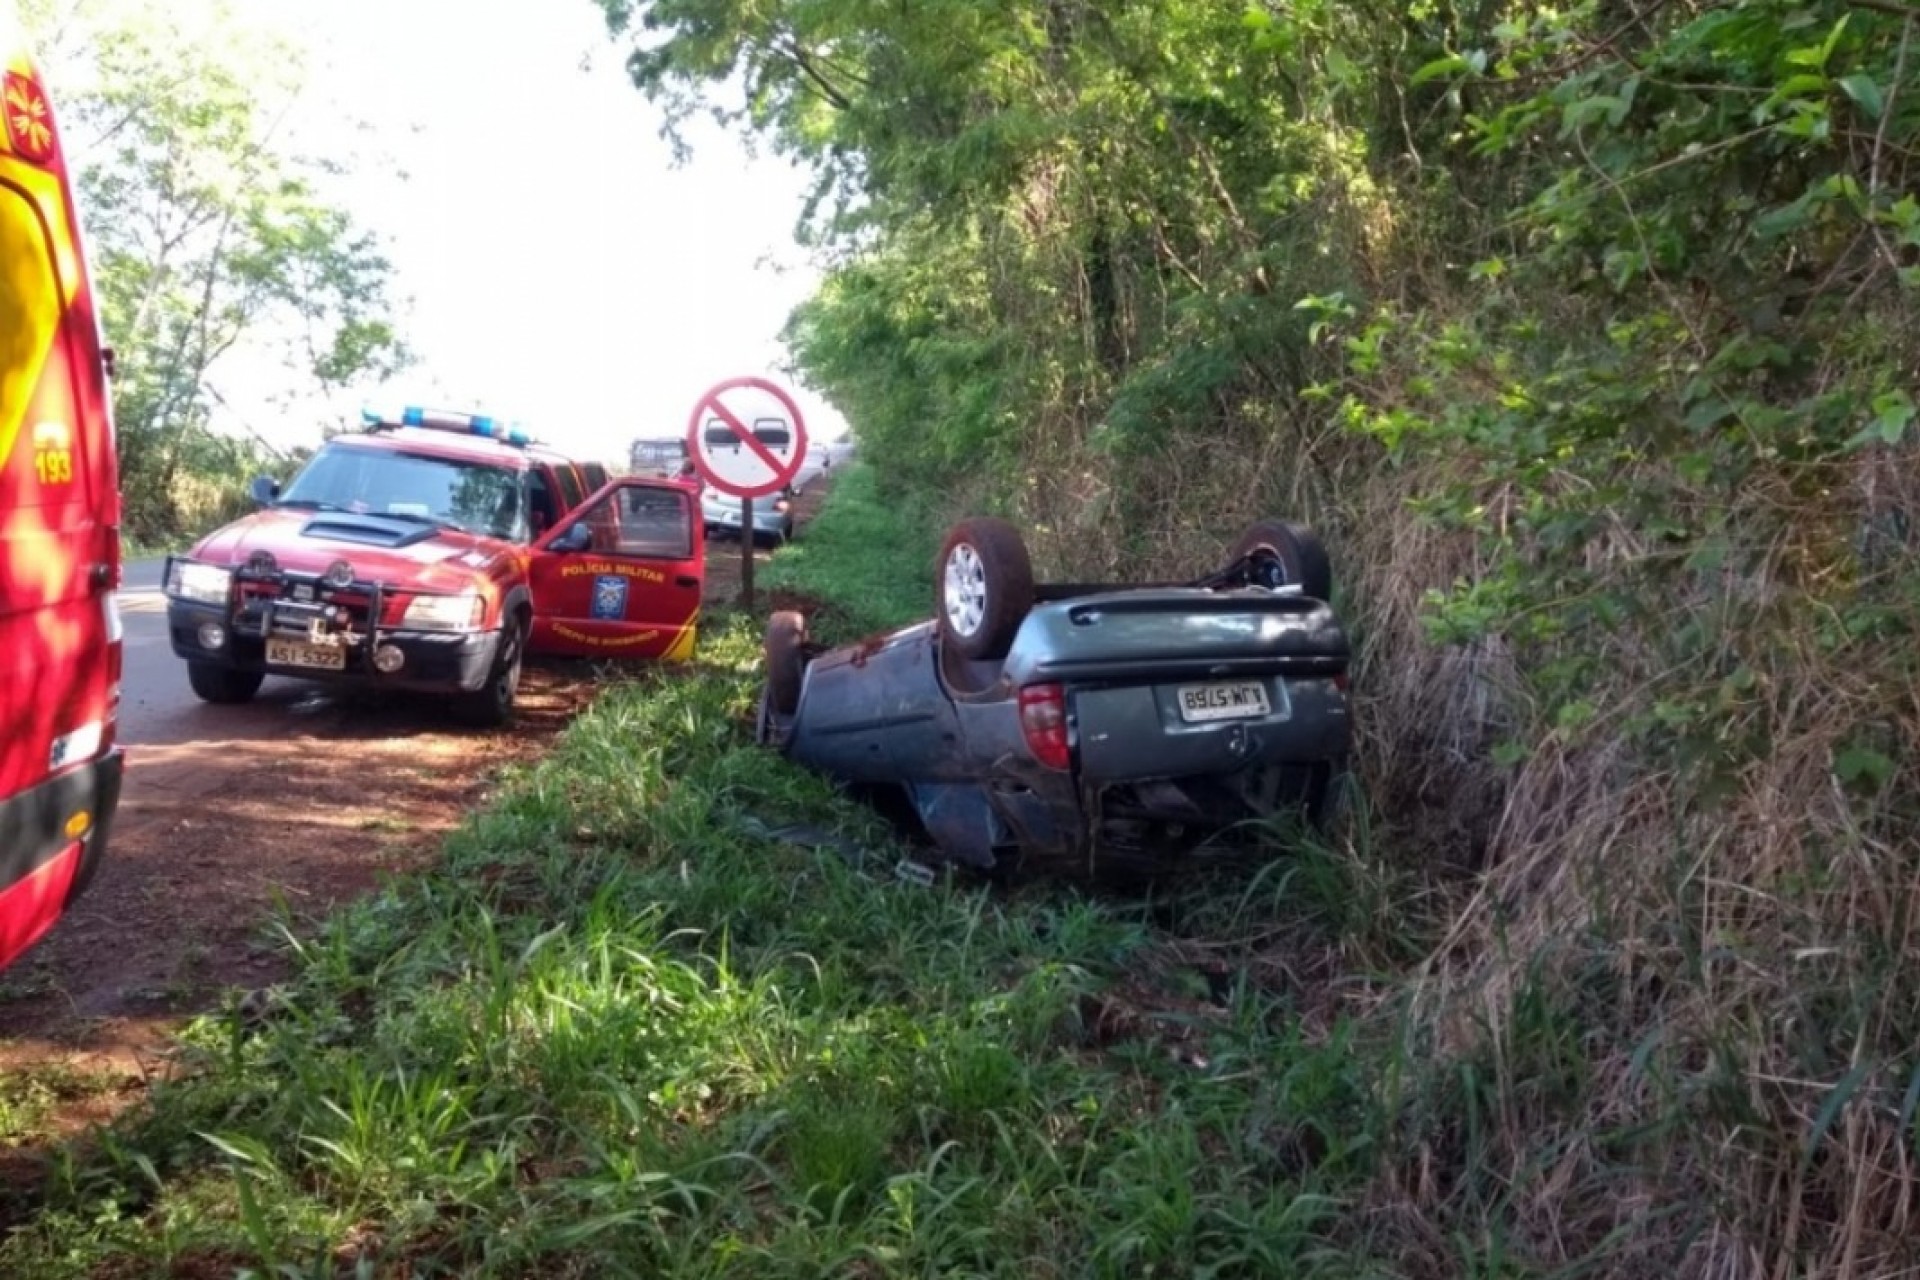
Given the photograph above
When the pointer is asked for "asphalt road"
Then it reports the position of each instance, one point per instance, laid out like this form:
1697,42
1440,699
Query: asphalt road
156,706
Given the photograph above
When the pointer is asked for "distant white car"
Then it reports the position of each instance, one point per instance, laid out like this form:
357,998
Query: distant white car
772,516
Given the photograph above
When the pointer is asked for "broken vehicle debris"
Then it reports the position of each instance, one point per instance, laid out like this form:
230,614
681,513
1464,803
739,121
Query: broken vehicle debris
1090,727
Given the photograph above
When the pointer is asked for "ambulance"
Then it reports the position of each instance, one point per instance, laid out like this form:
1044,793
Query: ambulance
60,637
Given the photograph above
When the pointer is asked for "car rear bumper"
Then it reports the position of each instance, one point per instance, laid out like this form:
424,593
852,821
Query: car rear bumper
433,661
51,841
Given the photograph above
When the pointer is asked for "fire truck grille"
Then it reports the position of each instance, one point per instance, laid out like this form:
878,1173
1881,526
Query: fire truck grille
290,607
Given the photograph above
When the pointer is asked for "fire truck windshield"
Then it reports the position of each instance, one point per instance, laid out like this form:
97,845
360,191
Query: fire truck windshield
470,496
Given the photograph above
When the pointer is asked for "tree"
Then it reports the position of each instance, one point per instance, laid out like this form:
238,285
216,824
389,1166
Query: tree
1585,332
208,233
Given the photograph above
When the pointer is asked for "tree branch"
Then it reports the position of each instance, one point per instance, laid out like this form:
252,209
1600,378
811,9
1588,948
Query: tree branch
826,87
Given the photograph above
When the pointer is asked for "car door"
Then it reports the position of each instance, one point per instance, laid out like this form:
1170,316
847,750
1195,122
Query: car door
621,576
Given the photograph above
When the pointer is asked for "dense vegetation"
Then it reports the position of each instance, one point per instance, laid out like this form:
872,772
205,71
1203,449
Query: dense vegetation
1586,335
212,242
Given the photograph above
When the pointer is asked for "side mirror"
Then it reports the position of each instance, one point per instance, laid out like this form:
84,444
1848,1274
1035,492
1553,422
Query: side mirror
264,490
575,537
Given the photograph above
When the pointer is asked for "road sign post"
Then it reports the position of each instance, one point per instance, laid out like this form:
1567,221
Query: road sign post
746,554
747,439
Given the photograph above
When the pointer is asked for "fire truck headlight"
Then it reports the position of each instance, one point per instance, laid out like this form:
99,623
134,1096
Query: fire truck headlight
206,583
444,613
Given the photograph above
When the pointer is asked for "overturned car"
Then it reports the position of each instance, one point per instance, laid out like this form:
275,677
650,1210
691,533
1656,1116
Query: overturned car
1090,727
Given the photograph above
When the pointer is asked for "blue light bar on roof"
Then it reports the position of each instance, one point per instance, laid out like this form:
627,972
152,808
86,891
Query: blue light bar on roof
469,423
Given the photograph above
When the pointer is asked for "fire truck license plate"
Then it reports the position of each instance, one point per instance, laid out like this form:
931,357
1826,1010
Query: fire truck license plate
289,653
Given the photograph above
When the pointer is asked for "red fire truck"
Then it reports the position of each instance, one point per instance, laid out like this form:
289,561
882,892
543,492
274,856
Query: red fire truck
429,553
60,643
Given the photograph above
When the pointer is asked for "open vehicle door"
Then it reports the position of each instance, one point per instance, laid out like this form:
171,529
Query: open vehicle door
621,576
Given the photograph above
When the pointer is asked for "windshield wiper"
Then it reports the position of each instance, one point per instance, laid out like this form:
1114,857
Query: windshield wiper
308,504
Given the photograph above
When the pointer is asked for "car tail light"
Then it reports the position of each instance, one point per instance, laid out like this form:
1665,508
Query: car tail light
1340,681
1043,719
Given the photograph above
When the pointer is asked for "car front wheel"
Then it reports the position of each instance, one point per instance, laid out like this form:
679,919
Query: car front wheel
491,705
224,685
986,587
1286,554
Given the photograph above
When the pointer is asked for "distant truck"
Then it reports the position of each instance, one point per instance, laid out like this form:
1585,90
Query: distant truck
665,456
60,638
431,552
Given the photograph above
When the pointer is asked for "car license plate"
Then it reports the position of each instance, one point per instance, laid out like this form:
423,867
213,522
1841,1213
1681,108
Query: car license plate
288,653
1222,700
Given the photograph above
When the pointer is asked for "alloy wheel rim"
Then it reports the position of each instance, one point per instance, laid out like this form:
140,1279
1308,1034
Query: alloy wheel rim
966,590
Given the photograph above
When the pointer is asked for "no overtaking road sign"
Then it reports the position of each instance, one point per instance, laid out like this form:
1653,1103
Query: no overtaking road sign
746,437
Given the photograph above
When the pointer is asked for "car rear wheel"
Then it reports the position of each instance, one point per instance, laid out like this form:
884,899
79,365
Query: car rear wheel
986,587
225,685
786,659
1286,554
491,705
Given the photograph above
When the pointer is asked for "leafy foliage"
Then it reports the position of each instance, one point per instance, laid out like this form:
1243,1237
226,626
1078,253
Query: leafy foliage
209,238
1585,333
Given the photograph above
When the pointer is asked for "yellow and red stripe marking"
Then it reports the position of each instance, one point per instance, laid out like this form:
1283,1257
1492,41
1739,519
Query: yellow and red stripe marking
36,290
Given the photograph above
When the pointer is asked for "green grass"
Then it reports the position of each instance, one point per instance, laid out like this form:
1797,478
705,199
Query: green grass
620,1034
868,553
30,1095
622,1031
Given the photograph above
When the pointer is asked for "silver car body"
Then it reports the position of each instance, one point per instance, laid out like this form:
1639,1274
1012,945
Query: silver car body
1171,746
772,515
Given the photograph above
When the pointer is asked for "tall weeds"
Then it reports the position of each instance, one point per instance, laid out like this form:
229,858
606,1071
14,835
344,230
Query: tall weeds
1620,481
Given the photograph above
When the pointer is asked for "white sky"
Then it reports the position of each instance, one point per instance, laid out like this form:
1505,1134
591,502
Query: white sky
558,268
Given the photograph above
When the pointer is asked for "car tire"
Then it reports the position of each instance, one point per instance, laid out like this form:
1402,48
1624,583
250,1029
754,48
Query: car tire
786,660
1294,551
985,587
491,705
228,686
